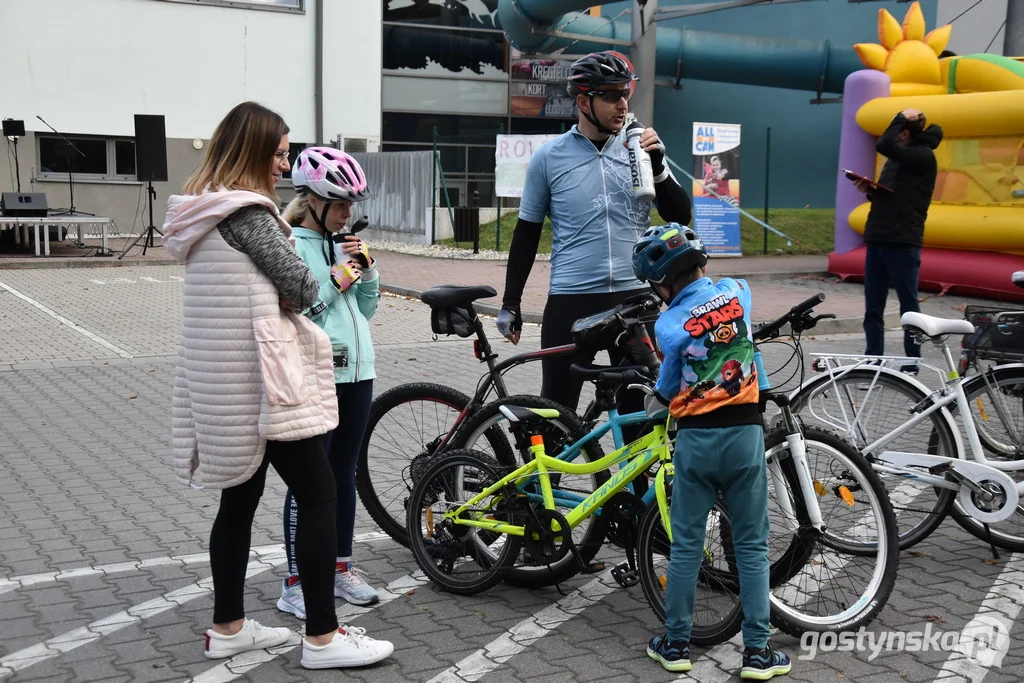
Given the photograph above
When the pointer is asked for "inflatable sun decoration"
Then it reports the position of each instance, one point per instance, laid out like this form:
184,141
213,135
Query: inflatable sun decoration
908,55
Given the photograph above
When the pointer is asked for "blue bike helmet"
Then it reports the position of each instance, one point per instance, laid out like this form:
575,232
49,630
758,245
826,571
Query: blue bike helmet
665,252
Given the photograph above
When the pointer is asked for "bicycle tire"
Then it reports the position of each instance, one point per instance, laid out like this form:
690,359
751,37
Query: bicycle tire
381,497
1006,376
653,541
886,548
941,441
569,424
492,567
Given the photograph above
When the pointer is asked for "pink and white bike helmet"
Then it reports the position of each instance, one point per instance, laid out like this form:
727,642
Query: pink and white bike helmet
330,174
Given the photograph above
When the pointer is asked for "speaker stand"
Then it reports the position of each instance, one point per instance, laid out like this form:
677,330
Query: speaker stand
147,233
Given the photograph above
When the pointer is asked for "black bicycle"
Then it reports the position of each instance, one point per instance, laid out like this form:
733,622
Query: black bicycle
412,422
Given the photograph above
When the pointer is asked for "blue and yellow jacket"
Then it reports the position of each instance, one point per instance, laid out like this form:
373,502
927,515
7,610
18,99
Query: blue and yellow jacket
708,375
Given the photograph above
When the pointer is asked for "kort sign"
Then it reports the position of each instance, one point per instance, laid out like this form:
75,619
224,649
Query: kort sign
512,155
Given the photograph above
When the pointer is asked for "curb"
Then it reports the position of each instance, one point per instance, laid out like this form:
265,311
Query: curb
83,262
824,327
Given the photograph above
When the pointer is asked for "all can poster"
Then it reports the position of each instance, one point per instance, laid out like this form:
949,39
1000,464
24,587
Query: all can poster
716,166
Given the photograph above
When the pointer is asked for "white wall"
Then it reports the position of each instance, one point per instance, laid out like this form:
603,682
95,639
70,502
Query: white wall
353,45
88,67
975,29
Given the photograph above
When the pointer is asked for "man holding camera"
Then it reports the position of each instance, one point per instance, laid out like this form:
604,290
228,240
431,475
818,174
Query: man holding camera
895,227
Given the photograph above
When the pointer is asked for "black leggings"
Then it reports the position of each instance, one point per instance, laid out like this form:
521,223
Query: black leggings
304,468
561,311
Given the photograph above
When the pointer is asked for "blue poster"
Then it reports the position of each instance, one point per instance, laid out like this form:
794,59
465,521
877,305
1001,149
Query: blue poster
716,188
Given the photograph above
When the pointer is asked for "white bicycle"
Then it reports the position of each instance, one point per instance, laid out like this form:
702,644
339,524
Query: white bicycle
911,434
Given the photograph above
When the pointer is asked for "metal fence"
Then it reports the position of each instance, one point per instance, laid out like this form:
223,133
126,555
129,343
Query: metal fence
465,178
403,201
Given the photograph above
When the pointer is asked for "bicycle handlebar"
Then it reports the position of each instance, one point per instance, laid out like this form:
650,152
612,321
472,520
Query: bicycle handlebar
798,316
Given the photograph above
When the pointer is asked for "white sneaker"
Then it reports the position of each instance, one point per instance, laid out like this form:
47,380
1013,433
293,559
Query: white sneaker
252,636
349,647
353,588
292,600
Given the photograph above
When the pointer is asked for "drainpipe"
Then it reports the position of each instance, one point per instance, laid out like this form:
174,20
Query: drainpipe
318,85
1013,37
644,57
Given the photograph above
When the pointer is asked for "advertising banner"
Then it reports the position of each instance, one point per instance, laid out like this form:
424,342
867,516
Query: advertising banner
716,193
512,155
538,89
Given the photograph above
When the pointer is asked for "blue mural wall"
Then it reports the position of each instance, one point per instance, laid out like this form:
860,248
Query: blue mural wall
804,136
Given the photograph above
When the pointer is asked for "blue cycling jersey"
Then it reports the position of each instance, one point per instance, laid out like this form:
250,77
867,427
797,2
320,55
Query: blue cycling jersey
588,193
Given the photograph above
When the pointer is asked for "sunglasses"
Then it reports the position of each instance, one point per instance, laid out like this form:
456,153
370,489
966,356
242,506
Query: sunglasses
612,96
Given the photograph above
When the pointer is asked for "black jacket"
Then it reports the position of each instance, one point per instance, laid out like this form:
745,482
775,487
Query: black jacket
897,217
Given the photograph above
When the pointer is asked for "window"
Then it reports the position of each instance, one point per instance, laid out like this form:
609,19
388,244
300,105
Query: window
100,158
275,5
477,14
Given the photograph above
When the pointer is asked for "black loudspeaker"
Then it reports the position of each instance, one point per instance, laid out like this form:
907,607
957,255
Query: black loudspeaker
23,205
150,147
14,129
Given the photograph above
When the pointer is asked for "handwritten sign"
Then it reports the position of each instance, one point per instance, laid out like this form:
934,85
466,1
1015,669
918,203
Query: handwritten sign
512,155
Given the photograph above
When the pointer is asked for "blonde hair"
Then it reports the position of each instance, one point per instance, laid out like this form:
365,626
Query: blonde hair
296,210
241,152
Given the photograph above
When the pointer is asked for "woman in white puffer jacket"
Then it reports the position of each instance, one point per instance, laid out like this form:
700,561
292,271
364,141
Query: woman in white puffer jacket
255,383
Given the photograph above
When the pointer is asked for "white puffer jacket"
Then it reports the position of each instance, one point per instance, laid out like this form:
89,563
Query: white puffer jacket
248,371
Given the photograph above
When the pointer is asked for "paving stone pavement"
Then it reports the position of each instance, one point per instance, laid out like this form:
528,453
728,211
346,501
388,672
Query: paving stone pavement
108,553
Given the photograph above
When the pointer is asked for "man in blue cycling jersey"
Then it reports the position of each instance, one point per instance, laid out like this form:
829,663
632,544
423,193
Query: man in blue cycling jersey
582,181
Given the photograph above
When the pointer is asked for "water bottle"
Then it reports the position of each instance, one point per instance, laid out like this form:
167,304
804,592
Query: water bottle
640,170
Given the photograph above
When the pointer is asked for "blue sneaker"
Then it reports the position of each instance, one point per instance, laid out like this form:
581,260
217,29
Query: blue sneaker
673,655
761,665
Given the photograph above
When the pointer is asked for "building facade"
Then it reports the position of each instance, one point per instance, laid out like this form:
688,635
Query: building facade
87,68
398,75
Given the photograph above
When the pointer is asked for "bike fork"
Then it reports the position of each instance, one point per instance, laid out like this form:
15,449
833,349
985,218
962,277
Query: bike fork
798,451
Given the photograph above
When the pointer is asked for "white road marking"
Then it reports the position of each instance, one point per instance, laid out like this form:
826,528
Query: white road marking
242,664
15,582
527,632
58,645
64,321
1001,605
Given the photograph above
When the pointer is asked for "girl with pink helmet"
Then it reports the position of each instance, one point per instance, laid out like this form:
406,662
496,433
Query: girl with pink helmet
328,183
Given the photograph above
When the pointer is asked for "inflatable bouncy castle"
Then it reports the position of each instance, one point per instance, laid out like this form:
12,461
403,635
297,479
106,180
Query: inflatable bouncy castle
974,235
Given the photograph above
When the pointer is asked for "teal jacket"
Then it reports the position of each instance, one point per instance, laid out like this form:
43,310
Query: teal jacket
346,319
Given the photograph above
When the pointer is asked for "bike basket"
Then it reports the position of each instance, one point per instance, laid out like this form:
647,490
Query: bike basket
999,333
458,320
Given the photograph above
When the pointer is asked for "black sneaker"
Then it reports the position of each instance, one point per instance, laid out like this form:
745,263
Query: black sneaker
761,665
673,655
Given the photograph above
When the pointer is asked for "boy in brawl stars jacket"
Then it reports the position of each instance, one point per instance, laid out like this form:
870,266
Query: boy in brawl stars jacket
708,382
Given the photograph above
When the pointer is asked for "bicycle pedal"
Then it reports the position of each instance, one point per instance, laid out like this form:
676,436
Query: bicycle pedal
594,568
624,576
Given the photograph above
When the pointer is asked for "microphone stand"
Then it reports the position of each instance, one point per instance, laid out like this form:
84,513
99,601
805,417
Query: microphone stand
71,175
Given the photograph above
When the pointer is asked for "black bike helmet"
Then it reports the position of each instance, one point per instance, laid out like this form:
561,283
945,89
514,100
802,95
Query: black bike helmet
589,73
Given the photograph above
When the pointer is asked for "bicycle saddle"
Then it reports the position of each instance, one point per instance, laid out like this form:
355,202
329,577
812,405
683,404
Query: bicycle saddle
933,326
446,296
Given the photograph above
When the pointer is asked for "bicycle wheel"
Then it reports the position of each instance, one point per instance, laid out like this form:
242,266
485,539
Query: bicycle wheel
717,612
850,573
996,399
864,405
558,433
459,559
406,425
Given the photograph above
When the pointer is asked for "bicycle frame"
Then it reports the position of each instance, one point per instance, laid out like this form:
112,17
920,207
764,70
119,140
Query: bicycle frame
951,392
647,449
